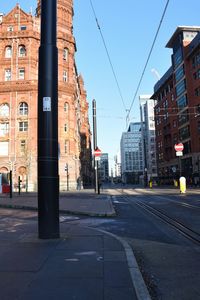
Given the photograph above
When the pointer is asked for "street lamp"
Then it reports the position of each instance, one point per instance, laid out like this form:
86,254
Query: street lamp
48,178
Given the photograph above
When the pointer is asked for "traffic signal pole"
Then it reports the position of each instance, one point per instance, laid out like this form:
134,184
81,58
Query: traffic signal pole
48,179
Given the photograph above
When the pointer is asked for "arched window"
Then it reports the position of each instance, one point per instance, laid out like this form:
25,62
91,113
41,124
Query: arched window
65,53
23,108
8,52
65,127
66,107
65,77
4,110
22,51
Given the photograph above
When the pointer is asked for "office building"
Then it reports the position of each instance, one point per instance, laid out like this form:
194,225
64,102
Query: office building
132,163
177,109
148,137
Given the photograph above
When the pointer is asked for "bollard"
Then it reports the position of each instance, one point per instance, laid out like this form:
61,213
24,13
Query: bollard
150,184
182,181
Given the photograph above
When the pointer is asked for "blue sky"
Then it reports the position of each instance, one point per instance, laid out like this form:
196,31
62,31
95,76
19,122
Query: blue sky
128,28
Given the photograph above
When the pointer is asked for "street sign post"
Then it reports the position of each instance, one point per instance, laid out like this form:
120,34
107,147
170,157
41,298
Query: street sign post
97,152
179,153
179,147
97,155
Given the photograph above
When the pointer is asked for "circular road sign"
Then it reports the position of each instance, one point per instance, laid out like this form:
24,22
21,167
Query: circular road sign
97,152
179,147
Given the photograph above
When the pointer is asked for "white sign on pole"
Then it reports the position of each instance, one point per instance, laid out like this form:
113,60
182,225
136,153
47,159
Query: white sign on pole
46,103
179,153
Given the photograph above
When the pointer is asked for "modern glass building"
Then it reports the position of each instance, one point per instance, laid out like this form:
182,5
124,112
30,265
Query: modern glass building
132,163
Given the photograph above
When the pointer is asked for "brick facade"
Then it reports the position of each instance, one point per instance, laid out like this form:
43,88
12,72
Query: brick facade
19,43
178,108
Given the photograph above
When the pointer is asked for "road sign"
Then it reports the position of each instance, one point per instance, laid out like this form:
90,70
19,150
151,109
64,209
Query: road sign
97,158
179,147
179,153
97,152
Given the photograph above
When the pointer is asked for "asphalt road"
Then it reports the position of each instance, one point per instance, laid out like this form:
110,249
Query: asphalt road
168,259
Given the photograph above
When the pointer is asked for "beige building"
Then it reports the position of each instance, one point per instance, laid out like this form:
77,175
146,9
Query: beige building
19,43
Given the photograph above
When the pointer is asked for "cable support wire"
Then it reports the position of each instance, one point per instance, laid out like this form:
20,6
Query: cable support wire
108,55
149,55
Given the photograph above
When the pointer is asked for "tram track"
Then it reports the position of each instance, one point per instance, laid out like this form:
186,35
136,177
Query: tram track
176,224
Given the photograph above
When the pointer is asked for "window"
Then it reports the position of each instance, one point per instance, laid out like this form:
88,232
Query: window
22,73
23,108
179,73
182,102
196,75
66,146
66,107
8,52
178,57
22,27
3,148
65,53
4,110
197,92
196,60
180,88
65,127
184,133
65,76
23,126
183,118
4,129
22,51
7,74
22,146
10,28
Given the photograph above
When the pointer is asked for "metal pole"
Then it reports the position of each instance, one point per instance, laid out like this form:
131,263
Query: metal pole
48,178
67,173
95,143
10,184
19,185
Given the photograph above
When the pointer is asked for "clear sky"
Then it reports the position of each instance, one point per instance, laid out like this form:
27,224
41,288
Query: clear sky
128,28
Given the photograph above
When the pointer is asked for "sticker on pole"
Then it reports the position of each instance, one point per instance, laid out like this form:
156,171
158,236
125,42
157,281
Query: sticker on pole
46,103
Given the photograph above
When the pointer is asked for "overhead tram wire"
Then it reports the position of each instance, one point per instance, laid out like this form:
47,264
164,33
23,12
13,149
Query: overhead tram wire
108,55
149,55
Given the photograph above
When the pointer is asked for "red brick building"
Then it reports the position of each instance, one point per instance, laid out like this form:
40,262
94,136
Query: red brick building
19,43
177,110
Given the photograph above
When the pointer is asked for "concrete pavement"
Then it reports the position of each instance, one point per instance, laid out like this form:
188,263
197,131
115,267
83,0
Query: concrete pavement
84,264
84,202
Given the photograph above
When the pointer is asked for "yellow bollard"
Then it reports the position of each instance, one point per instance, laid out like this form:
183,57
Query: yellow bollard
150,184
182,181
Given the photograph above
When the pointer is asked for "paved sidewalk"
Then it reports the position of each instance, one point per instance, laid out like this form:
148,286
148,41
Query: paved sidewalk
84,264
84,202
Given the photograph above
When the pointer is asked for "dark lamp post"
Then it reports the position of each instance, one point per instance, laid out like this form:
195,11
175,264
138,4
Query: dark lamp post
48,179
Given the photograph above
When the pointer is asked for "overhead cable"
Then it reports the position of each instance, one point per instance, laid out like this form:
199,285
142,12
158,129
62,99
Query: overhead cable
149,55
108,55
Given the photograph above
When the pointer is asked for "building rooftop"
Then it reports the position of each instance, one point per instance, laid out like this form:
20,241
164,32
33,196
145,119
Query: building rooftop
194,44
178,30
162,80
